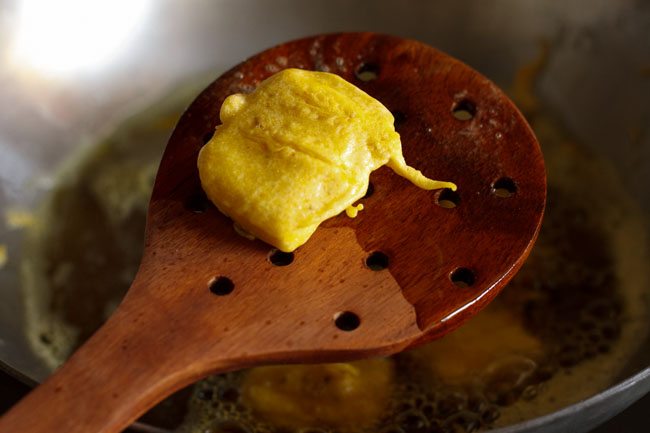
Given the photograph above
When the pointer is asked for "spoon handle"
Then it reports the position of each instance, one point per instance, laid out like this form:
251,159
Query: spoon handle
132,362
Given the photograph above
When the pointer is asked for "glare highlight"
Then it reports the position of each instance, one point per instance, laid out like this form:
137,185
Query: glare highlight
71,36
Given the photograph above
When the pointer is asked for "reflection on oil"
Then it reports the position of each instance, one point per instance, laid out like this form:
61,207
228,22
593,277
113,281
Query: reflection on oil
560,331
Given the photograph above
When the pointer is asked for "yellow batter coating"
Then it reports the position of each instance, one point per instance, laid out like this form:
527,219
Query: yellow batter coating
347,396
297,151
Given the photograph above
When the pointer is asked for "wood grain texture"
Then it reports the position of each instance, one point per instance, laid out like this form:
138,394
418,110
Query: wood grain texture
171,330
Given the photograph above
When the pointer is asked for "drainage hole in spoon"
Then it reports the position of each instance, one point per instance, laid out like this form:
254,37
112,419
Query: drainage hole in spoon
370,191
198,202
367,72
464,110
221,286
280,258
399,118
347,321
377,261
462,277
504,187
447,198
207,136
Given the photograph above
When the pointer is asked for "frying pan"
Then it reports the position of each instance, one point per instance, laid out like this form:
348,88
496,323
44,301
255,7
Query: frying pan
54,102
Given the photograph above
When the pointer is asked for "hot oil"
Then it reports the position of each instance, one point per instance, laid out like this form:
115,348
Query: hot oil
561,331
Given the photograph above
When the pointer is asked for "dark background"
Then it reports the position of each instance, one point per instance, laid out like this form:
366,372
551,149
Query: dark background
631,420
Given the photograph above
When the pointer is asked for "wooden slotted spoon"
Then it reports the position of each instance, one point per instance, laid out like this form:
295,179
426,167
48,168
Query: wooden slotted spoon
411,267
